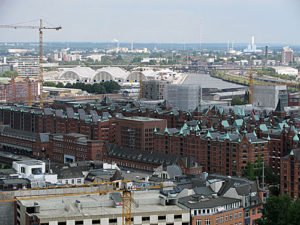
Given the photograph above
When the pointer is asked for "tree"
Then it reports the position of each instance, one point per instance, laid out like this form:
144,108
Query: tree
237,101
136,59
69,85
60,85
49,84
249,171
278,211
10,74
294,213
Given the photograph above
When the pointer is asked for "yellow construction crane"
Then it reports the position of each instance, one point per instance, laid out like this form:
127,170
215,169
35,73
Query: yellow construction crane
40,28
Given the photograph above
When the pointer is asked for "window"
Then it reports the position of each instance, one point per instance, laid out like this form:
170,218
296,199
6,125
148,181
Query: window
79,222
207,222
161,217
198,222
226,218
22,169
67,181
177,216
230,217
253,211
95,221
145,218
113,220
240,214
78,181
61,223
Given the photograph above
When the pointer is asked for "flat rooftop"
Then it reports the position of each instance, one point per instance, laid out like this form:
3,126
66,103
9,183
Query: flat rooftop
30,162
97,205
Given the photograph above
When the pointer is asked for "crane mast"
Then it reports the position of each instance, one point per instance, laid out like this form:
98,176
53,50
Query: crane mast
40,28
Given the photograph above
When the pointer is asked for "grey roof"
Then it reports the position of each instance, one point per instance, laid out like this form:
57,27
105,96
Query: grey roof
243,186
206,191
141,156
174,171
68,173
15,181
44,137
202,202
14,132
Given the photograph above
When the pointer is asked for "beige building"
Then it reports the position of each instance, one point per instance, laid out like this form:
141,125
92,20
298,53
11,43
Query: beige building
148,208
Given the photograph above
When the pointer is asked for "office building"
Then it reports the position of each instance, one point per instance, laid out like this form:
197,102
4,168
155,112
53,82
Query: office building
28,67
137,132
184,97
287,56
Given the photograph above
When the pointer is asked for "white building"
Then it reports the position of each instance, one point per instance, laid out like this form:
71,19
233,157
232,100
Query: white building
285,70
35,171
95,57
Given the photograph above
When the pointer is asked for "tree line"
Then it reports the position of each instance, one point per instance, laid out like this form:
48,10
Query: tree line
281,210
95,88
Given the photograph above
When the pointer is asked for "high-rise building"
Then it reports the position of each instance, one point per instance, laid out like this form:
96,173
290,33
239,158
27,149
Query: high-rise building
287,56
28,66
184,97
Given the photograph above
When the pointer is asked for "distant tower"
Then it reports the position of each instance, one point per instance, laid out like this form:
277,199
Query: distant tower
253,41
266,54
287,56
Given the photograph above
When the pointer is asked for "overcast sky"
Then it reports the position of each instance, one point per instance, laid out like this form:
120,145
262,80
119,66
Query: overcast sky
176,21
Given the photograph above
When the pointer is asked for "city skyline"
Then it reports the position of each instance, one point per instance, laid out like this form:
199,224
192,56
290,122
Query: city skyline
169,21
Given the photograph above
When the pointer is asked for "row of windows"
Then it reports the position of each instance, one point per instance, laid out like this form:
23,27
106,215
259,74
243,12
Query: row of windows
114,220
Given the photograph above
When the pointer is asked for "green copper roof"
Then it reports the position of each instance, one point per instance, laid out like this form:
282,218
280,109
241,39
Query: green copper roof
225,123
263,127
238,123
227,136
296,138
155,130
208,135
166,130
197,128
254,133
181,131
185,126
